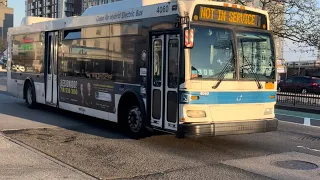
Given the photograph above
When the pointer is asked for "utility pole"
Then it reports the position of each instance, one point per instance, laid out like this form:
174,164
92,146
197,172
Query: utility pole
299,63
318,53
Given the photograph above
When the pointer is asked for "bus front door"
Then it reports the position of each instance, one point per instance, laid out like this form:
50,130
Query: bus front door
51,68
164,81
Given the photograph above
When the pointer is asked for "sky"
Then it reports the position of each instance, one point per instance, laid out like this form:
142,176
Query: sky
289,47
18,10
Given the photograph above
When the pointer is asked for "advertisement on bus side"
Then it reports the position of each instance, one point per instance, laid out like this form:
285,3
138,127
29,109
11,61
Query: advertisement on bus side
95,94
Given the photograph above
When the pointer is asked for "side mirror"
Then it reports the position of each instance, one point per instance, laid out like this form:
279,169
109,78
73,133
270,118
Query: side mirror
188,37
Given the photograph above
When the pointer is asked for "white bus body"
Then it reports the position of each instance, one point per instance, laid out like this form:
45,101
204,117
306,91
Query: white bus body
104,64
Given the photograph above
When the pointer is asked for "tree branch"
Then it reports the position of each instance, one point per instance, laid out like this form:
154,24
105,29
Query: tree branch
297,20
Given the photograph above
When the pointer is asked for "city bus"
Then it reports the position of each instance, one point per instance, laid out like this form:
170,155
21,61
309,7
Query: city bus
190,68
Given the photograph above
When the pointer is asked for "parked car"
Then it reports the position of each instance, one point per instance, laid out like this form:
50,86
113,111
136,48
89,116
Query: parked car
300,84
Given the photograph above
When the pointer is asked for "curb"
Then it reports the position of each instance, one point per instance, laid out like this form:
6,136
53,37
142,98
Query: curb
301,109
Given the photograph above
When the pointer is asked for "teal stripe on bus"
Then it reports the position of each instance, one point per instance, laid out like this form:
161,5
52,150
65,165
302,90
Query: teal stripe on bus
252,97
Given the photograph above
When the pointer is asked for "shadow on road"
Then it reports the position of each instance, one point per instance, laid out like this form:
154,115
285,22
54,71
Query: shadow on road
45,115
15,115
15,111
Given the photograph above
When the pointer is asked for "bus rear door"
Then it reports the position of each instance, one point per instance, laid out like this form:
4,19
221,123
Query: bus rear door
51,68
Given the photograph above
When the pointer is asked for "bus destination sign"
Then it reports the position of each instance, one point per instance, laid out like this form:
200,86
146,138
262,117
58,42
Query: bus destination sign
228,15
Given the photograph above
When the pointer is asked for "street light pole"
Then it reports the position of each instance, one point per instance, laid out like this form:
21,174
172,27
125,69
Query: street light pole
299,64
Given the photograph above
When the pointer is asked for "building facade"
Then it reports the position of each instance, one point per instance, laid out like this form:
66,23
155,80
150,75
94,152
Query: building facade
53,8
88,3
3,3
6,21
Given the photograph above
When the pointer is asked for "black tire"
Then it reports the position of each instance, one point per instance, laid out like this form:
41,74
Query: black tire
30,96
134,122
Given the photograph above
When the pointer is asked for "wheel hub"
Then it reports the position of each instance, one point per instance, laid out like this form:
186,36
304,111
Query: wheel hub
135,119
29,96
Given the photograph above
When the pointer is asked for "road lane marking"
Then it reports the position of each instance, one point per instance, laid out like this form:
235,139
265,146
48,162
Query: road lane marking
316,150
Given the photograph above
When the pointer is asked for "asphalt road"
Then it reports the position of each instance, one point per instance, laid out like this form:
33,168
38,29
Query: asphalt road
97,148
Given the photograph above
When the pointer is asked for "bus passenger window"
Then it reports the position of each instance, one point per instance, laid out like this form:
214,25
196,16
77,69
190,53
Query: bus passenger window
173,59
157,63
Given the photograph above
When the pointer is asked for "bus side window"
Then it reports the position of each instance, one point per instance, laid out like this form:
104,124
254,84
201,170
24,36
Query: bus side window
49,55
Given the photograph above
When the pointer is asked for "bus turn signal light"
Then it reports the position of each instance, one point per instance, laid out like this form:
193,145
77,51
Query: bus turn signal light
194,98
269,85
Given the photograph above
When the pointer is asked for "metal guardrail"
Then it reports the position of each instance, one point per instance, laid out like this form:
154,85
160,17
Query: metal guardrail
293,98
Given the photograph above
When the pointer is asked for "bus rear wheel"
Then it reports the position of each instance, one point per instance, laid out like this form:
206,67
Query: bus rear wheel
30,96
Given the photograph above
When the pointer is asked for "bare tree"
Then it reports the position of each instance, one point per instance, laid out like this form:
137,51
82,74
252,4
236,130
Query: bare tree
297,20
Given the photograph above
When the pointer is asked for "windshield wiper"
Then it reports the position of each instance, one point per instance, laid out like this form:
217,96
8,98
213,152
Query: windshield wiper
256,78
223,73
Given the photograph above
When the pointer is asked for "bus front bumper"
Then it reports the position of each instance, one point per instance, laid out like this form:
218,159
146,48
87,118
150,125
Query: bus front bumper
227,128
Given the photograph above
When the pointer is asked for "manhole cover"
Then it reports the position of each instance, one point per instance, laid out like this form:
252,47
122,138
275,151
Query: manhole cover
295,164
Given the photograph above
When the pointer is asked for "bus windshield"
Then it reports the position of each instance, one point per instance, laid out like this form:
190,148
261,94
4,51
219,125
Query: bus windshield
255,55
213,53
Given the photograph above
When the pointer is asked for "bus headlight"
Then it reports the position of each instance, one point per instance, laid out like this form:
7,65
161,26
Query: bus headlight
196,114
268,111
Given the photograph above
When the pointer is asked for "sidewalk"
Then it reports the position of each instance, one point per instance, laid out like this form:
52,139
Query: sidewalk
298,107
18,161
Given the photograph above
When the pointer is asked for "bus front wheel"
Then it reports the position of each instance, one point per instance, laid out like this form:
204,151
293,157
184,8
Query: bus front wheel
134,122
